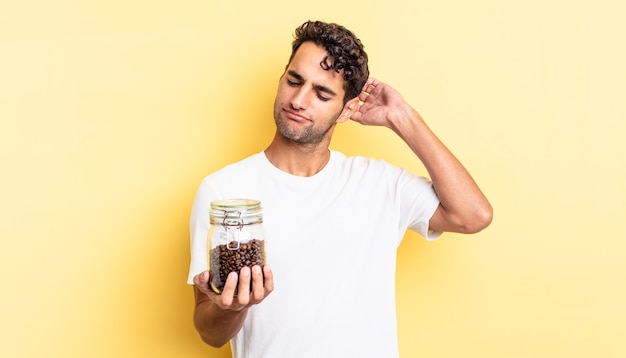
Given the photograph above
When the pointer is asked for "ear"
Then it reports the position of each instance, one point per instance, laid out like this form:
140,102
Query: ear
350,107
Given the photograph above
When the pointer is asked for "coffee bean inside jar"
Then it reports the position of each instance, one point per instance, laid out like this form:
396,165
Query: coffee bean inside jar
235,239
233,256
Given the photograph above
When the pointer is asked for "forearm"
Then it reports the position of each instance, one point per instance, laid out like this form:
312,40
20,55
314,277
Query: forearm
216,326
218,318
464,207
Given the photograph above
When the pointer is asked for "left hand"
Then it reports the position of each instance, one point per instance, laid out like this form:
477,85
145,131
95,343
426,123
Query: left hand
381,105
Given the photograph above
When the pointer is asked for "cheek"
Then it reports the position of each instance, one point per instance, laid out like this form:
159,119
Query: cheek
283,94
334,111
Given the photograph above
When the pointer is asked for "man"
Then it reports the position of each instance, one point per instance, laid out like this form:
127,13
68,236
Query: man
333,224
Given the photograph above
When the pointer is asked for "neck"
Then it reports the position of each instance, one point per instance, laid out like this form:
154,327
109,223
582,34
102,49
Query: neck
297,159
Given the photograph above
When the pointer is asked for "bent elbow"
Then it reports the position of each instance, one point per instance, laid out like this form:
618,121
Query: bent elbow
480,220
213,342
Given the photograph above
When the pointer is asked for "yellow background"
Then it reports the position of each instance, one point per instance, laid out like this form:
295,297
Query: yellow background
113,111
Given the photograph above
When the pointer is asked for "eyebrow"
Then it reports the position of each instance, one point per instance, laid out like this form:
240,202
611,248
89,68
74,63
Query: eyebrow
321,88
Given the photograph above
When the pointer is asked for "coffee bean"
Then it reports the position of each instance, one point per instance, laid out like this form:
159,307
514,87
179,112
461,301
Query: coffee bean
224,260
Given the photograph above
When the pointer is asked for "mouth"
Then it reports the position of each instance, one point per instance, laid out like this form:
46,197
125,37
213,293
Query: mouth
295,116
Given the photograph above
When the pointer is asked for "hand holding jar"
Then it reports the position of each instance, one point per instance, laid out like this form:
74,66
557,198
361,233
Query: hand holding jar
236,254
251,284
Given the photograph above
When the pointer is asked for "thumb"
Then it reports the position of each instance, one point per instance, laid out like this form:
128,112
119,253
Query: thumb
204,277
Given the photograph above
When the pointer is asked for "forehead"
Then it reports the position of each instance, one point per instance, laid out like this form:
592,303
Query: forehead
307,63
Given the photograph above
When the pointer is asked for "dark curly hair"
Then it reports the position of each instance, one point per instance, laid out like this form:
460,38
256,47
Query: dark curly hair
345,53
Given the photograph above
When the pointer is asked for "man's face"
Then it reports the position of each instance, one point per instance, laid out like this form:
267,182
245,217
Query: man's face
309,100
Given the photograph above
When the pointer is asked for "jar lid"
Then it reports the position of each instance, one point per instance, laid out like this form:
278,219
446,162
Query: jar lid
248,209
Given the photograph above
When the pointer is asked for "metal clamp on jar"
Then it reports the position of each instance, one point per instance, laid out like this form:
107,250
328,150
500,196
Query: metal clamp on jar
236,238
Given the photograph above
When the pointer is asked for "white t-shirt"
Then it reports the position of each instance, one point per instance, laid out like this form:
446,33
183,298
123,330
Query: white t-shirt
331,241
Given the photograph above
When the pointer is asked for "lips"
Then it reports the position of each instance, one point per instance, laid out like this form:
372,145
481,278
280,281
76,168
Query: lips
295,116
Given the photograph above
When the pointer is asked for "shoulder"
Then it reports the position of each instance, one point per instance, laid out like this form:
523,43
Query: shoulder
379,172
229,180
245,165
363,164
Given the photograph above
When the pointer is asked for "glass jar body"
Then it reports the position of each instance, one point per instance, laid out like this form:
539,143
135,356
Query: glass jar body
236,238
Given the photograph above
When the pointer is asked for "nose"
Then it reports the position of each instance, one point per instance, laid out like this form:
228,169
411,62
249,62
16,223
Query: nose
299,100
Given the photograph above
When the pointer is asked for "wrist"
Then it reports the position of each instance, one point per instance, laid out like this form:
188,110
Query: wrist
404,119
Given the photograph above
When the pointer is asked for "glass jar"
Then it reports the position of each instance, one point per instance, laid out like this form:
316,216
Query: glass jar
236,238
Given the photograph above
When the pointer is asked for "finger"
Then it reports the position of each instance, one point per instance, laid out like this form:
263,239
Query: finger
369,81
365,92
358,113
258,291
370,85
373,82
201,279
369,89
228,293
243,290
268,279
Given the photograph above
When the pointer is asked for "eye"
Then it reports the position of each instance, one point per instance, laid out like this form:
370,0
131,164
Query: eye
293,83
322,98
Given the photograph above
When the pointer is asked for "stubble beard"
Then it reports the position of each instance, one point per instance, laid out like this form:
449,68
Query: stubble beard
308,135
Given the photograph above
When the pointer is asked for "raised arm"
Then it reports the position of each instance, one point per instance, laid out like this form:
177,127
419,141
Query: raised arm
463,206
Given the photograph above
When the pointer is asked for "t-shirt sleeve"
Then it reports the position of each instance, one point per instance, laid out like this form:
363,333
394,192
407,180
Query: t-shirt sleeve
419,200
431,203
199,228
